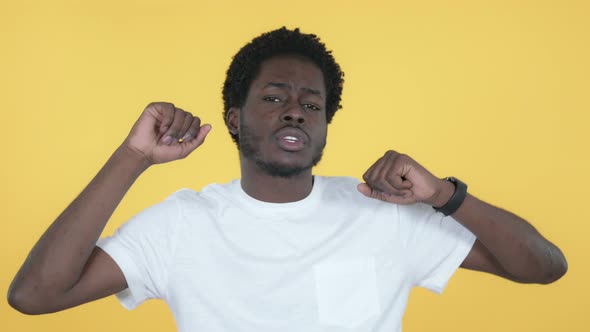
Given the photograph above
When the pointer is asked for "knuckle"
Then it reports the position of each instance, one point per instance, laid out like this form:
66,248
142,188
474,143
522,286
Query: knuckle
167,107
160,104
404,157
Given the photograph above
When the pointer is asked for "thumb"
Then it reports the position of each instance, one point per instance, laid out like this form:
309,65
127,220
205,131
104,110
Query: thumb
364,189
404,198
203,132
197,141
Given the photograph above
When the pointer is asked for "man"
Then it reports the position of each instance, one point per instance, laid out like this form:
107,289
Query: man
279,249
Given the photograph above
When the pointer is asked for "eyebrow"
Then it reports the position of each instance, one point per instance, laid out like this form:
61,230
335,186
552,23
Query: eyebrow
288,86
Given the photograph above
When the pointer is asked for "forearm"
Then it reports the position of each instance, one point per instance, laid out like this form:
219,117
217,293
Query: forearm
56,262
507,245
517,246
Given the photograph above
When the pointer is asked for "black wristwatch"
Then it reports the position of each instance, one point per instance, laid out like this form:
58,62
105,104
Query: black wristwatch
456,200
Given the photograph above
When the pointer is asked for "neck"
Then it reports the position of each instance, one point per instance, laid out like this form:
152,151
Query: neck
273,189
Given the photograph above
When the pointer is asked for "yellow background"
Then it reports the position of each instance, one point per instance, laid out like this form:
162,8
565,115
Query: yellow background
493,92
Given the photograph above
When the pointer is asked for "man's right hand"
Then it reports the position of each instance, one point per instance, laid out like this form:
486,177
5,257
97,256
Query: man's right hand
65,268
165,133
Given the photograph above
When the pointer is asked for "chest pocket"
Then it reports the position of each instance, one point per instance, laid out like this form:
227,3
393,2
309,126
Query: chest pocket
346,292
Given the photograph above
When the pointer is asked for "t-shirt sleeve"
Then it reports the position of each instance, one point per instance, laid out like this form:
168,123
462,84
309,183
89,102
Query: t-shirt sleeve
142,248
435,245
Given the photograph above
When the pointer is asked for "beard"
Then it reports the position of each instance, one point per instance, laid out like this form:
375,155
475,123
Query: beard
249,145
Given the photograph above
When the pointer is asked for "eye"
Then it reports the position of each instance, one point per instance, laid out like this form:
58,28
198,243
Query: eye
311,107
272,99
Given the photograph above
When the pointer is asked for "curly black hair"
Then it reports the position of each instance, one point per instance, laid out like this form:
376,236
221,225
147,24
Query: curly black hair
245,66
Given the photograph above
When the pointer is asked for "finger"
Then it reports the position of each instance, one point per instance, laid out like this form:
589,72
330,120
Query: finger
395,173
193,130
165,113
370,175
369,172
188,120
202,134
384,177
403,183
368,191
171,135
364,189
405,197
191,145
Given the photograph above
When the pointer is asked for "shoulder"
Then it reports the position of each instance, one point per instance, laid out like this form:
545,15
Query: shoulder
338,181
191,195
184,195
211,197
343,189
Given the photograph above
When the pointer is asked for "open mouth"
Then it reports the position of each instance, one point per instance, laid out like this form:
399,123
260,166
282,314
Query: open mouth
291,139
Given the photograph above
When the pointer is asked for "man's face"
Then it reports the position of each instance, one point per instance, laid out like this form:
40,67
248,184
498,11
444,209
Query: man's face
282,126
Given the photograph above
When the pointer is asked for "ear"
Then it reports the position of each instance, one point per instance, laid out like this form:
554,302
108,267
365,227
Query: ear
232,120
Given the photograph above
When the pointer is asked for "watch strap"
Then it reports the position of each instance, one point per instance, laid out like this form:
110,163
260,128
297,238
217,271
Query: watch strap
456,200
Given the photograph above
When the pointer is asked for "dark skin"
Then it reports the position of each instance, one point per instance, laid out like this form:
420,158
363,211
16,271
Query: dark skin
65,269
288,92
506,245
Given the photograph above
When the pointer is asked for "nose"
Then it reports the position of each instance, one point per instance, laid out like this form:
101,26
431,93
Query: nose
293,113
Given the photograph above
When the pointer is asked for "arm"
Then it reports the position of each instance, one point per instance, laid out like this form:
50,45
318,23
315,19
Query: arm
65,268
507,246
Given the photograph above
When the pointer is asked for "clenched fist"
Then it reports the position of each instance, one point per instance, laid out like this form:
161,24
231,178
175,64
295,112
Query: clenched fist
397,178
164,133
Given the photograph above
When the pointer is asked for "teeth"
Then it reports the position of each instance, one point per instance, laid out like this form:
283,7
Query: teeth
290,138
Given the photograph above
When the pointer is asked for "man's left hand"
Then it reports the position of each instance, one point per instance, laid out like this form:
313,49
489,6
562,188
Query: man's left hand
397,178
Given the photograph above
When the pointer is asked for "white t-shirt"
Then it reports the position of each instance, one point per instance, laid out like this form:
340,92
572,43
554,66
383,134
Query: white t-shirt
334,261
